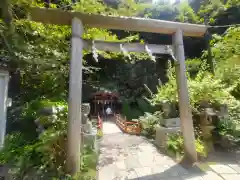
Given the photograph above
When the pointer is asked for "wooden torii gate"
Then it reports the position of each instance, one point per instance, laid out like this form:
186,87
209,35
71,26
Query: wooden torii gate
77,20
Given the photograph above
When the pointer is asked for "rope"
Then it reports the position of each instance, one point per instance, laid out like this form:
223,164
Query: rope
223,26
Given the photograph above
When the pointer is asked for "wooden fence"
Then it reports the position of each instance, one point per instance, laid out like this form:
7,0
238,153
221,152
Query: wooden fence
133,128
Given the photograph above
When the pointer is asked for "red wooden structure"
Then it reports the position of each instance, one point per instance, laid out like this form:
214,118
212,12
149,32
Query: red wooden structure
129,127
100,123
102,99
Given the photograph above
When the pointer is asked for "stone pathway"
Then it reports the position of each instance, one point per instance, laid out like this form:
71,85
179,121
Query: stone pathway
128,157
110,128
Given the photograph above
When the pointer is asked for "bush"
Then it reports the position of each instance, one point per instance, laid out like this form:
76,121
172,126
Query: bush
99,134
13,148
231,127
167,92
145,106
131,112
175,145
45,157
203,88
149,122
208,89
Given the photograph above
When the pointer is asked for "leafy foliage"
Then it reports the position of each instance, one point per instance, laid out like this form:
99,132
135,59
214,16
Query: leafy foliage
226,55
202,88
211,89
175,145
149,122
44,157
40,156
40,55
168,91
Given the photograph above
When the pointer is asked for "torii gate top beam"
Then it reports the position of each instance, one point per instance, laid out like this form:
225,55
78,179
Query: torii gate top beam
56,16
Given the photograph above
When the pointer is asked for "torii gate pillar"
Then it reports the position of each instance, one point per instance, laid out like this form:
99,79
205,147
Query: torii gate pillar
75,99
183,98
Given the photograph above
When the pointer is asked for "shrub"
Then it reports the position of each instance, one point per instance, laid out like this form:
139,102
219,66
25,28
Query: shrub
131,112
175,144
204,87
168,91
149,122
45,157
145,106
13,147
99,133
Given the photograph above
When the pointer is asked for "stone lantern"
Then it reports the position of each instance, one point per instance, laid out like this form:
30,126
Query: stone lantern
86,123
85,111
87,129
207,126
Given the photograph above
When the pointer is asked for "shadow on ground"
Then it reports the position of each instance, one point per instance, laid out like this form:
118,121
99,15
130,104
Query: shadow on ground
224,157
173,173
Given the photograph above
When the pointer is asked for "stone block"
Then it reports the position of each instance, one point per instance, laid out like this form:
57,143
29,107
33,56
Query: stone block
222,169
162,135
132,175
107,173
231,176
209,175
143,171
173,122
121,165
236,167
132,162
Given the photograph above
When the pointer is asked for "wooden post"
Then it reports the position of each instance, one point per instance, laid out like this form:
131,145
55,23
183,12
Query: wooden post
183,98
4,78
75,99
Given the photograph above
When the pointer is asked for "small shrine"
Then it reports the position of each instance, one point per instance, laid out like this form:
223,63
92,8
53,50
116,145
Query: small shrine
101,100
